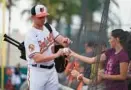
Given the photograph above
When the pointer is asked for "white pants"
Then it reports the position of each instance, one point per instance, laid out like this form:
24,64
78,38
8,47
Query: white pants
42,79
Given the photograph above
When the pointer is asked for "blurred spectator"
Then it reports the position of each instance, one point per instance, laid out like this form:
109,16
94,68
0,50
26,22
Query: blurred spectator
103,46
9,85
16,77
24,86
89,52
64,78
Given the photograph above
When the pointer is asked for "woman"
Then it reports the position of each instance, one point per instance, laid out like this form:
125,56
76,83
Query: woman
116,61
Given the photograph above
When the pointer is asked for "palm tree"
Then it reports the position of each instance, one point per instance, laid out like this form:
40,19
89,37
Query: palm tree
69,8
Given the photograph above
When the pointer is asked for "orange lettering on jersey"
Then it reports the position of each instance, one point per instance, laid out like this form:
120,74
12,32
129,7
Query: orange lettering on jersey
42,44
48,41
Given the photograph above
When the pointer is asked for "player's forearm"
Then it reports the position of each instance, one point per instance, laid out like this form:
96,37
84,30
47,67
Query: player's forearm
84,59
60,40
42,58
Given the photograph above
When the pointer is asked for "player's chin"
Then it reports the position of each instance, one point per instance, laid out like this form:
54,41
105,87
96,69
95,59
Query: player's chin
41,24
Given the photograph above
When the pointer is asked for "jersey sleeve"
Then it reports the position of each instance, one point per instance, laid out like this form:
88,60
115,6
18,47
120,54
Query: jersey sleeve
31,45
123,57
55,33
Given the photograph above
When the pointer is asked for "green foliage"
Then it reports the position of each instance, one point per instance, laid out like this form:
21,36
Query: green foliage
68,8
93,5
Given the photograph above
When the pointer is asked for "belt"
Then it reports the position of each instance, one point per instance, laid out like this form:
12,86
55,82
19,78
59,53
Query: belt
43,66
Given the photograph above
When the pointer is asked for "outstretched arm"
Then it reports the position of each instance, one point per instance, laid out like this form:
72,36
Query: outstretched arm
79,76
88,59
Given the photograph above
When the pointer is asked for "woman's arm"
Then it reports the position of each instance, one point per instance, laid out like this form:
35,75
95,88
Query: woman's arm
121,76
84,58
88,59
86,80
89,81
79,76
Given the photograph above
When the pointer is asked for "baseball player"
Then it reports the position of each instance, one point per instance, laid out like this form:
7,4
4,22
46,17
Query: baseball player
39,44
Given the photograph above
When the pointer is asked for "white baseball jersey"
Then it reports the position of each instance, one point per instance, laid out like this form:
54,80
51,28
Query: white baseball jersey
39,41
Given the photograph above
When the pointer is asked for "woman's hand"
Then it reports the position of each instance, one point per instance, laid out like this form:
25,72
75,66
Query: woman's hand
75,73
70,52
101,75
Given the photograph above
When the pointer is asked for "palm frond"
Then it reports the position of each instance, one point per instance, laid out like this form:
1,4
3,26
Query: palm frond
116,4
25,11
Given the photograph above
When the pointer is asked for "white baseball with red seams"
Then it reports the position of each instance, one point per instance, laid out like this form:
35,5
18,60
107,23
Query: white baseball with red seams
65,50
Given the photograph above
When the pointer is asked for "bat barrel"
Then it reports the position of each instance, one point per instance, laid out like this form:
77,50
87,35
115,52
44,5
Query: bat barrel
6,36
5,39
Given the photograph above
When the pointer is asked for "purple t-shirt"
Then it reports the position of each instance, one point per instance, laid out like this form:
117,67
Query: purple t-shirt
112,67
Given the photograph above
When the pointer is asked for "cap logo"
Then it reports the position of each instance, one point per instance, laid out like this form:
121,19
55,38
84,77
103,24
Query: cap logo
41,9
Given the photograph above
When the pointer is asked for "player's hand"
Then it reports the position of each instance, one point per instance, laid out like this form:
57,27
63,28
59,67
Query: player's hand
66,41
66,51
75,73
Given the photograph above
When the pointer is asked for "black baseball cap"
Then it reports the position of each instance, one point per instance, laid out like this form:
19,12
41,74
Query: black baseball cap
39,11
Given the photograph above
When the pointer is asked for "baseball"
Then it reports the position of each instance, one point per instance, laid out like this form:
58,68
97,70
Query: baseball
65,50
